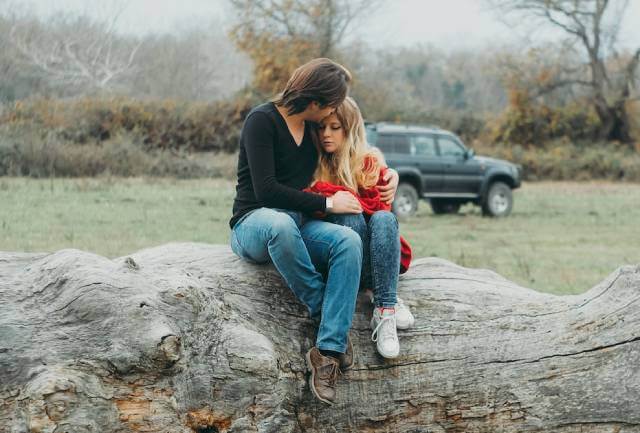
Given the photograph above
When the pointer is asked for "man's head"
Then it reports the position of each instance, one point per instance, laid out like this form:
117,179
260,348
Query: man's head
318,86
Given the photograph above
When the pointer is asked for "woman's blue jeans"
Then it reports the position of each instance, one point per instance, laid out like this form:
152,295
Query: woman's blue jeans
381,252
303,251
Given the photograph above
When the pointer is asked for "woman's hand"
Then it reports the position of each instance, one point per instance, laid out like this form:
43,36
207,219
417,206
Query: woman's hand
345,202
388,191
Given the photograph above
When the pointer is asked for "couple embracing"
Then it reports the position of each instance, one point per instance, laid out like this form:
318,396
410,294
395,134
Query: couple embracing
314,199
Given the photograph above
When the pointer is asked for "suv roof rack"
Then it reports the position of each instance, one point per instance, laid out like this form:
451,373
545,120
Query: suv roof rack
403,125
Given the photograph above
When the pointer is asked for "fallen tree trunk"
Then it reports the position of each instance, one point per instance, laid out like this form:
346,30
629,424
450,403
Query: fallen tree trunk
188,338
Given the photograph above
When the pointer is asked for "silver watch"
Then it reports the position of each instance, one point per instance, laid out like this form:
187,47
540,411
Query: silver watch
329,203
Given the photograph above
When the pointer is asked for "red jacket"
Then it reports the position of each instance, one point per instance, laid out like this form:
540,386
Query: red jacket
370,201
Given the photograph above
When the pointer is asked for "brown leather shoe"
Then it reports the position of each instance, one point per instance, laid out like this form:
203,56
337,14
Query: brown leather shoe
324,373
346,359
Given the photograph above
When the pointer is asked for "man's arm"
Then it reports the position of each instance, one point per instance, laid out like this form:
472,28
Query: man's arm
258,135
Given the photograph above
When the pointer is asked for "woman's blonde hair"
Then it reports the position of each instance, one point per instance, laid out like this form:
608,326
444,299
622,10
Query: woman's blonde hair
355,164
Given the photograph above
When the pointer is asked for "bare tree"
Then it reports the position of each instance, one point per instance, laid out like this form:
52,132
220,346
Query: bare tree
278,35
593,25
17,80
324,21
194,63
76,52
551,74
424,84
70,55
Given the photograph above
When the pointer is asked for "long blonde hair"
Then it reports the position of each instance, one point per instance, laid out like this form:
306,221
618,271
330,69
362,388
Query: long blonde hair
355,164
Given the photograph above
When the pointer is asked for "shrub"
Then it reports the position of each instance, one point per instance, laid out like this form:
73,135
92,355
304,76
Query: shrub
125,137
41,154
156,124
565,160
528,122
633,110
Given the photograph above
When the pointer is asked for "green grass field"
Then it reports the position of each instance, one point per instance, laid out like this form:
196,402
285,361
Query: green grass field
561,237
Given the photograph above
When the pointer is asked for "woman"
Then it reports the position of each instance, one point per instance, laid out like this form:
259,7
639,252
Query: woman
346,162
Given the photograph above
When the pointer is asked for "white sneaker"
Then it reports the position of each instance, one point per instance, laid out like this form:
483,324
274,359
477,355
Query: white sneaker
384,333
404,318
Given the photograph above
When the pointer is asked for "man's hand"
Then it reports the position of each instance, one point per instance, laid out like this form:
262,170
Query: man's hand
345,202
388,191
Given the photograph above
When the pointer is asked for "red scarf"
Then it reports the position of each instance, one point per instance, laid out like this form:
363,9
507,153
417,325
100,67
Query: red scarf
370,201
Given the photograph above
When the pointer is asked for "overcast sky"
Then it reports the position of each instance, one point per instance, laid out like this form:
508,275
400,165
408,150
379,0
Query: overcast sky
443,23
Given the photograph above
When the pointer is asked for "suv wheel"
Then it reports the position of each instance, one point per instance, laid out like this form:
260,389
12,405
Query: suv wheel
499,200
405,203
441,206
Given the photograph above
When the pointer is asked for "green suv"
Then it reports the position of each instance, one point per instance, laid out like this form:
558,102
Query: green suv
433,164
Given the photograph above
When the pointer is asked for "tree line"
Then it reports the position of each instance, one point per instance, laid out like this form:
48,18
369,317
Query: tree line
583,86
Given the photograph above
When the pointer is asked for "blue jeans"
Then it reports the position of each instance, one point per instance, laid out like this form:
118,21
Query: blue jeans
303,251
381,252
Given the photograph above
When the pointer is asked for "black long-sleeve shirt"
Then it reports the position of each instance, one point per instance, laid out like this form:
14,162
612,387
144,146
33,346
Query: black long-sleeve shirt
272,168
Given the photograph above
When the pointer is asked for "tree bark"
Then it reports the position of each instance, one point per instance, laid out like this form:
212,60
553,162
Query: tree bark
188,338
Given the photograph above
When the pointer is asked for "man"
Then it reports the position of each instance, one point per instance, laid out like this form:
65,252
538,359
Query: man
277,160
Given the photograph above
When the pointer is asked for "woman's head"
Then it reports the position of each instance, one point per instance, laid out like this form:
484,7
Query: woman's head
343,146
320,81
343,130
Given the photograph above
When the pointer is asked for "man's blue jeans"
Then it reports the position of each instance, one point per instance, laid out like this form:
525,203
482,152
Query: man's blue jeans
303,250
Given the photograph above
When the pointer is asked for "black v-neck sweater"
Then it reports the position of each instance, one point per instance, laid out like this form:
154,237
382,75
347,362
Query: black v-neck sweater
272,168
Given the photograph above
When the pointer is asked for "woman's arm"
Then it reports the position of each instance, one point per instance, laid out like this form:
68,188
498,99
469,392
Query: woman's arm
388,190
390,177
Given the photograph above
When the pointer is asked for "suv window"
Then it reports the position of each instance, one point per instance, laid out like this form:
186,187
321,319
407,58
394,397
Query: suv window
424,145
393,144
385,143
372,136
401,143
450,148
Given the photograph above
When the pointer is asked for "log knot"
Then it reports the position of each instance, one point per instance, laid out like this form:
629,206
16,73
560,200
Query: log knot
131,264
171,348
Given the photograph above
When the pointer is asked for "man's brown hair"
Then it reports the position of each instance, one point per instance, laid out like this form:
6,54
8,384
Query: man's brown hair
321,80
